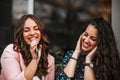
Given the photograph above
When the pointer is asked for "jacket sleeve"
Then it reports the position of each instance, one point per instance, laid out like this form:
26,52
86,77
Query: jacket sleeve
51,68
10,65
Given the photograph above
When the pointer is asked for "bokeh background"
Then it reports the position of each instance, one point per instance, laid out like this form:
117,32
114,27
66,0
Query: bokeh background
64,20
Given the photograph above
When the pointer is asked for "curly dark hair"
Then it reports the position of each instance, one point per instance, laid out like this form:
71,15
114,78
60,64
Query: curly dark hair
21,46
107,55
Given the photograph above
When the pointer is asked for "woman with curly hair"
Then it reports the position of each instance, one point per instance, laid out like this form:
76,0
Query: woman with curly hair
95,57
28,58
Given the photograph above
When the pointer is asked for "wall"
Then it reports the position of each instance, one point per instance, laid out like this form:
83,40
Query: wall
116,21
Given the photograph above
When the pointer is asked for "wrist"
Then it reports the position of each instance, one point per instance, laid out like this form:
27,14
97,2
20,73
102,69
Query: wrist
76,55
91,65
35,60
88,60
77,52
73,58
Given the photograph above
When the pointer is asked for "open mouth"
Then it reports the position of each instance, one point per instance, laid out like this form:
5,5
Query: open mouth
32,38
85,45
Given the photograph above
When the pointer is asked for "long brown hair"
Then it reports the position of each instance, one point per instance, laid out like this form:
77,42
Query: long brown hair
107,55
21,46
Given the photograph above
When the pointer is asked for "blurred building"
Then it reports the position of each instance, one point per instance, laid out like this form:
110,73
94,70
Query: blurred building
64,19
5,22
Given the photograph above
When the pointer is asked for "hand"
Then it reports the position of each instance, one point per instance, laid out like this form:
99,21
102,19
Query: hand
91,55
33,46
78,47
39,51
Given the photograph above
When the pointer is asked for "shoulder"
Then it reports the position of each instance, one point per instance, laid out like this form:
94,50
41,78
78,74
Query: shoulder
9,51
69,54
8,48
51,59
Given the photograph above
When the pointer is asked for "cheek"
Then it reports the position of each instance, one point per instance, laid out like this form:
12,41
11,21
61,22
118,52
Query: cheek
82,38
93,44
25,36
39,35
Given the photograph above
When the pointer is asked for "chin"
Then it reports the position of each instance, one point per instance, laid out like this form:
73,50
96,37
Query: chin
85,50
28,43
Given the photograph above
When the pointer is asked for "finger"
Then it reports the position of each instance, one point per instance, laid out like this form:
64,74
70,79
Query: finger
91,55
40,49
33,44
93,51
78,46
79,41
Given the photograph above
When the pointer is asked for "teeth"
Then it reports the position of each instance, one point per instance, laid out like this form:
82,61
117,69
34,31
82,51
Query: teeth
31,39
86,45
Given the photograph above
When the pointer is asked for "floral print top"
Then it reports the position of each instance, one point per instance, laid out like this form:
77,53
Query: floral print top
79,72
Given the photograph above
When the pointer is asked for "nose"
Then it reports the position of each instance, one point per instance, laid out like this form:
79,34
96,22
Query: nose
86,40
32,32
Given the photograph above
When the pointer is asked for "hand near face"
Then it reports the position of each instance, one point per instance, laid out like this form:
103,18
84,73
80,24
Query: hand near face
33,47
91,55
78,46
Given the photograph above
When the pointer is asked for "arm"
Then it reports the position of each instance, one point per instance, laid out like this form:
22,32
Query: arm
31,69
32,66
71,65
89,72
62,75
51,70
10,65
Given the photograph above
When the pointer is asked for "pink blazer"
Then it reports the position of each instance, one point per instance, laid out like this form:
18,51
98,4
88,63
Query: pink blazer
13,65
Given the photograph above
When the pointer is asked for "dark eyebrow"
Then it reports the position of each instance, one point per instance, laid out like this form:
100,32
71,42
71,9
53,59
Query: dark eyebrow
85,32
33,26
26,27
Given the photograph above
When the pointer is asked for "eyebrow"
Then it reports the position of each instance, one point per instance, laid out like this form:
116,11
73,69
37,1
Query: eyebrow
91,36
30,26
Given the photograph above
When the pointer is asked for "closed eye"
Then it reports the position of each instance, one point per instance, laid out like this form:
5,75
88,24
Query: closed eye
94,38
26,29
36,27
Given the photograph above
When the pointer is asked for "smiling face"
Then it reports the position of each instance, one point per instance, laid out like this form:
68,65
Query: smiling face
31,31
89,38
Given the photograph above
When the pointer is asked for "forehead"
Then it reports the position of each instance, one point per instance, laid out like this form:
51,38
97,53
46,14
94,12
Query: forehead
91,30
29,22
